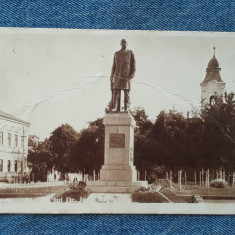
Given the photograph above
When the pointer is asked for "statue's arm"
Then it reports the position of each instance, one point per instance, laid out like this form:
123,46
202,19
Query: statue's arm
113,69
132,68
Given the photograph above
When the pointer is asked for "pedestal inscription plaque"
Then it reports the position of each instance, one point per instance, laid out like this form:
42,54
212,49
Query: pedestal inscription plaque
117,141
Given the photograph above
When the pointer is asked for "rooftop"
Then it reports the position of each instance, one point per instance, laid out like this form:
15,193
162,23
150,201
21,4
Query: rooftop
11,117
212,71
213,63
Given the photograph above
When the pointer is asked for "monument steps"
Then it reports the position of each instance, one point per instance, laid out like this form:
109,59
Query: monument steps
115,186
114,189
117,183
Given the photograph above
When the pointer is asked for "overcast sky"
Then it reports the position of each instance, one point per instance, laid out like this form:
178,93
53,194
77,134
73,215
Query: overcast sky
55,76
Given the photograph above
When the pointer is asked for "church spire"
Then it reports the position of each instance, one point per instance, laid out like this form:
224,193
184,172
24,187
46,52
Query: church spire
212,85
213,70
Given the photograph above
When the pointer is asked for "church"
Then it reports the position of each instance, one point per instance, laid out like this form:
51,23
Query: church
213,84
13,147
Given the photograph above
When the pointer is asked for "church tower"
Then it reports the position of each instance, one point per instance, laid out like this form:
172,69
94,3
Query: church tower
212,85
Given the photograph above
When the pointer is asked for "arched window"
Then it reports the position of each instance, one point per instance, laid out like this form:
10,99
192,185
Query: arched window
212,100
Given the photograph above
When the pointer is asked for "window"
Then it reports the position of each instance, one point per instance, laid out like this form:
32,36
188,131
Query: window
212,100
22,141
16,140
1,165
9,139
8,165
16,166
1,138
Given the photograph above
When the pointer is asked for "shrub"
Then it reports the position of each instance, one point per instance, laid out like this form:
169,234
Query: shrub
152,187
142,189
147,197
155,187
164,182
76,191
73,194
218,183
78,185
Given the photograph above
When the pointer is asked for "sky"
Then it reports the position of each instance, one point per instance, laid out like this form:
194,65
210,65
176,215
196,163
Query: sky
54,76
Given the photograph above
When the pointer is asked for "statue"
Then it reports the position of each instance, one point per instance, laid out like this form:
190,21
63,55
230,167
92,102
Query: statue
123,71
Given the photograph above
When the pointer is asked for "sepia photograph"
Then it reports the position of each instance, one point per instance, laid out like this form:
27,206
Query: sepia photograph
117,121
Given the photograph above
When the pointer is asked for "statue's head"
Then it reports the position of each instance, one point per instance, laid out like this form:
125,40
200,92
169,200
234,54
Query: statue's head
123,43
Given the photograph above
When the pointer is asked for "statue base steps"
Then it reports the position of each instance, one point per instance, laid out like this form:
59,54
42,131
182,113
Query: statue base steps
115,186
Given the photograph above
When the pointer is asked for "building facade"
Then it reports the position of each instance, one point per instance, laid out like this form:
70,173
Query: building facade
13,147
213,84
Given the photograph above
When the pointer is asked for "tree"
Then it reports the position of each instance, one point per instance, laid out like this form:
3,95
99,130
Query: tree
62,142
219,121
88,152
33,142
143,124
41,158
143,155
169,133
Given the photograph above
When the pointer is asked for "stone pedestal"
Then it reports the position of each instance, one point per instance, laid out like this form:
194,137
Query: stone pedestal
118,174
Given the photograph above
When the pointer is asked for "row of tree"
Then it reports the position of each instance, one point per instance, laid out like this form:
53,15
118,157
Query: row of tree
171,142
68,151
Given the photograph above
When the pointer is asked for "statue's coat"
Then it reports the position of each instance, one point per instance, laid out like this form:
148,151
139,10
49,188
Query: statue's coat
123,69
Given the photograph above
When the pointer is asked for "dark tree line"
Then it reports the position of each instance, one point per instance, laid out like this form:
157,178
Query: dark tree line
68,151
171,142
174,142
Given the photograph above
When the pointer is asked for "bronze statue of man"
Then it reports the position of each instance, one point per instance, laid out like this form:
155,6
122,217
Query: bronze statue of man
123,71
